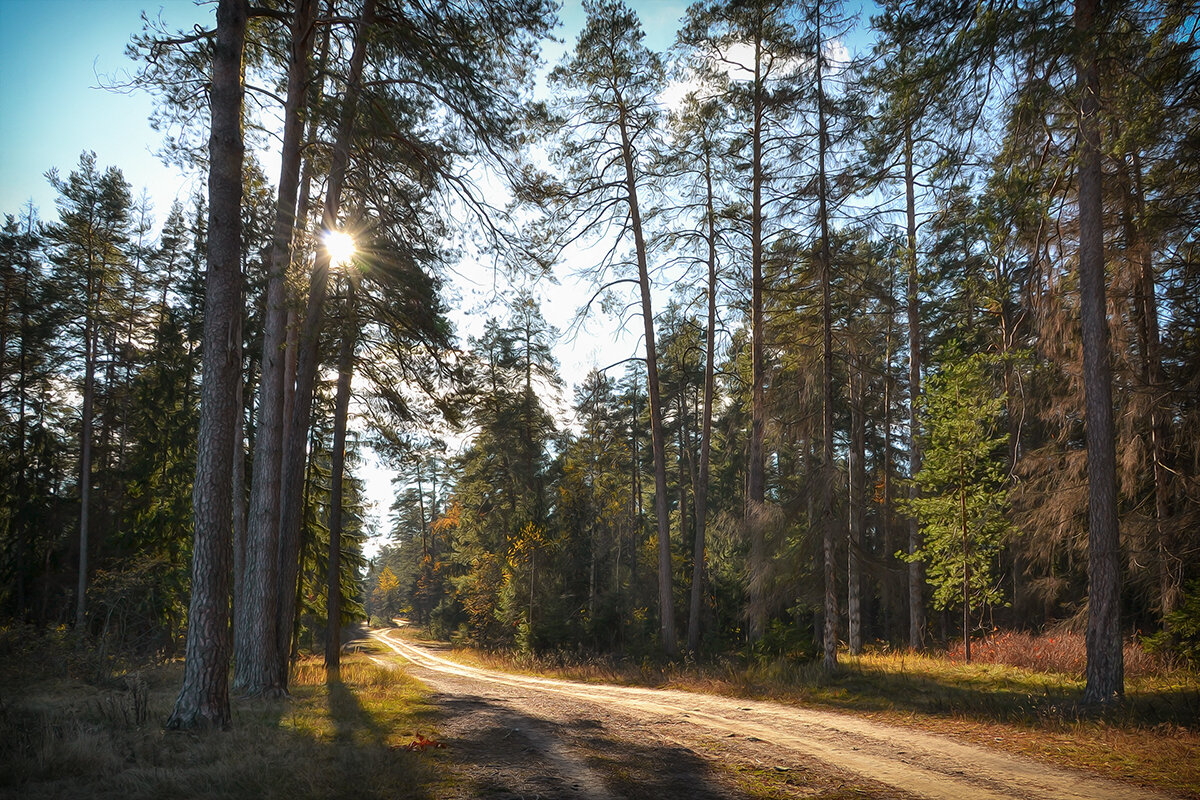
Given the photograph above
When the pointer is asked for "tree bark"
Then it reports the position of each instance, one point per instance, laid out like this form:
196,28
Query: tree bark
204,697
700,494
1150,345
916,577
966,543
755,459
827,475
890,588
858,479
1105,660
255,611
341,410
237,486
91,345
293,459
23,516
666,599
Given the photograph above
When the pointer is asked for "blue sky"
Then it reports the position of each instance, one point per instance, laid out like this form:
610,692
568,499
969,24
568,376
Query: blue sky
54,54
51,54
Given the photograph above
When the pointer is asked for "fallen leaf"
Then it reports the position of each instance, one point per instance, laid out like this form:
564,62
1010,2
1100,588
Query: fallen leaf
421,743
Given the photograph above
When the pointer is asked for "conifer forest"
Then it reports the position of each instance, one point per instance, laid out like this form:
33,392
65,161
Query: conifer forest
905,300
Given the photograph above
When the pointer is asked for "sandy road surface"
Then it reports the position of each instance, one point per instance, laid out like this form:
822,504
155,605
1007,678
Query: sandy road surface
880,760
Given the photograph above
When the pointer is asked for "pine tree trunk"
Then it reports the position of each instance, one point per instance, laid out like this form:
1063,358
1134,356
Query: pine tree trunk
1105,660
293,459
91,344
827,474
858,479
204,697
255,637
1150,345
966,544
23,522
238,472
916,577
681,464
700,494
666,597
341,410
755,459
890,588
635,478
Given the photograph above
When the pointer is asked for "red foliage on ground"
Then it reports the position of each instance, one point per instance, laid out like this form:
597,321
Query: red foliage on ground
1062,652
421,743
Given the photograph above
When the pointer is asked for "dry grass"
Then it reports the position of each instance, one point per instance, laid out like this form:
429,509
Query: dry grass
1153,737
1063,652
61,738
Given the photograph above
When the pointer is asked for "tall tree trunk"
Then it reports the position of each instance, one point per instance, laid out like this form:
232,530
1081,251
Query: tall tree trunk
341,410
666,599
966,544
755,460
255,636
635,498
857,482
22,487
91,345
916,577
293,459
700,494
827,475
237,475
890,588
1150,345
681,463
204,697
1105,660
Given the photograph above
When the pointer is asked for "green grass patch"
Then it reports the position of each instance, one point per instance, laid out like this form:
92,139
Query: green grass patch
62,738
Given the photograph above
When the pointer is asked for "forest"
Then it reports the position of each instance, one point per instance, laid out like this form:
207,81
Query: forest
914,287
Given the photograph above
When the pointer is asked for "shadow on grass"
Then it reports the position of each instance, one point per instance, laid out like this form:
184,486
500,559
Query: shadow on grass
62,739
351,721
1000,695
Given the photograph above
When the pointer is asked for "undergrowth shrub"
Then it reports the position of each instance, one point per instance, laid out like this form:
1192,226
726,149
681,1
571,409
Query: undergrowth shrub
1064,652
1181,638
783,641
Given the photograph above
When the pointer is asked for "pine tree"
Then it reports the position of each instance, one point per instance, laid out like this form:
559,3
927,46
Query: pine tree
254,611
749,51
1105,663
962,504
89,251
609,84
33,447
204,697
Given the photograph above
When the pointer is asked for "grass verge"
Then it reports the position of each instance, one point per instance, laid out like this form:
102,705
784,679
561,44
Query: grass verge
1152,738
62,738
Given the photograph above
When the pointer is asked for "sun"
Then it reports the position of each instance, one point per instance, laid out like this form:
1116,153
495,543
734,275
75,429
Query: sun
340,246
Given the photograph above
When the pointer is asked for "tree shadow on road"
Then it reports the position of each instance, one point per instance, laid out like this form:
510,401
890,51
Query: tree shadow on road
502,753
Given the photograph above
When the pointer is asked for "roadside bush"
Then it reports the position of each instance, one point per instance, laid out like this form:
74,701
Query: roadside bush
783,640
1180,638
1064,652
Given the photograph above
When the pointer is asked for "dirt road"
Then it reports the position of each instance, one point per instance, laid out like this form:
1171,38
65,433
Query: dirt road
601,741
